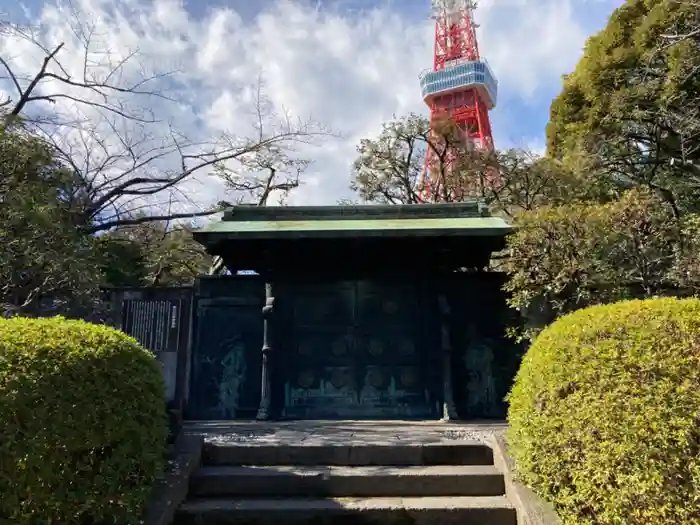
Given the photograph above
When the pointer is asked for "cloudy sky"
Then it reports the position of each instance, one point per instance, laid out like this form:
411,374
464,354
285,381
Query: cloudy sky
349,64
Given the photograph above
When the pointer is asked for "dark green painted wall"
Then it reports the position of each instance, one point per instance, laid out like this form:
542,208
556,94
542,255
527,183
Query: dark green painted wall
352,349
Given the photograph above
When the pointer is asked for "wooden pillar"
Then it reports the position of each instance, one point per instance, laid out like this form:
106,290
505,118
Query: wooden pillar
264,411
449,410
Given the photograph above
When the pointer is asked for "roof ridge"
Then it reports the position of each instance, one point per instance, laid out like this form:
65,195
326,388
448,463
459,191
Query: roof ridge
246,213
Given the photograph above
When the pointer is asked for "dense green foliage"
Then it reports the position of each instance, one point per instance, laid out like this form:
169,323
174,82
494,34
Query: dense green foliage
628,123
605,414
152,254
47,260
633,102
585,253
83,158
388,170
41,253
82,423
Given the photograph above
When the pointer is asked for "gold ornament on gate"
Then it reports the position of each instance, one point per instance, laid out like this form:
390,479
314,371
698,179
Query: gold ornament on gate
390,307
306,348
338,378
376,348
409,377
306,379
407,347
339,347
375,378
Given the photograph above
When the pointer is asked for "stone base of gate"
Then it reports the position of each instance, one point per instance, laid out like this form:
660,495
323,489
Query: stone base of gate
351,432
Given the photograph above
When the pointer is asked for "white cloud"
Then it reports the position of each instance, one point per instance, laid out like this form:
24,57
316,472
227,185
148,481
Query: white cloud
350,73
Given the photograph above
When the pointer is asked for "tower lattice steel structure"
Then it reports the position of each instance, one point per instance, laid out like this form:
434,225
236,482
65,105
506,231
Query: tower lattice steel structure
460,87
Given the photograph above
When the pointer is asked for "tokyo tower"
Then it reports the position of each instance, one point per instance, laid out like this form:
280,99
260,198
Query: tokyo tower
461,87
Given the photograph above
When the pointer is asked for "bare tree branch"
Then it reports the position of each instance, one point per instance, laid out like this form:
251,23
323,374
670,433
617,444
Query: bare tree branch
150,218
124,157
682,34
25,94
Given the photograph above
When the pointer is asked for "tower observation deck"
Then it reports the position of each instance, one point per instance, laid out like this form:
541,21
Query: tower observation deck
460,87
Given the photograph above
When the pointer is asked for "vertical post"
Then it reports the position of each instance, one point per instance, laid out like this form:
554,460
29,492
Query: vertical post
268,324
449,410
123,315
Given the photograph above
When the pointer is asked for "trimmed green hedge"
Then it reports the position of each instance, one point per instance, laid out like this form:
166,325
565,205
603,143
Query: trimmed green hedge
82,423
605,414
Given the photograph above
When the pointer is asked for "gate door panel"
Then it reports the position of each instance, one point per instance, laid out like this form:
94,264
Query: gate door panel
321,380
357,352
390,351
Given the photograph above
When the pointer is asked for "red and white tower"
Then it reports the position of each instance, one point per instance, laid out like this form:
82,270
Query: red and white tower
460,87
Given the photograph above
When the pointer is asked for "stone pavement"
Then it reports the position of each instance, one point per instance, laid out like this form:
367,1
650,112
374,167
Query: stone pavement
343,432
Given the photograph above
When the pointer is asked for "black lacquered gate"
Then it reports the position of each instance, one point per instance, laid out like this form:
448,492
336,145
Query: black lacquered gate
358,350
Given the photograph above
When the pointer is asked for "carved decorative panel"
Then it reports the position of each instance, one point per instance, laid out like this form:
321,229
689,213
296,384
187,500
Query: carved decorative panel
376,348
376,378
225,379
306,379
409,377
390,307
340,346
407,347
485,360
363,341
306,348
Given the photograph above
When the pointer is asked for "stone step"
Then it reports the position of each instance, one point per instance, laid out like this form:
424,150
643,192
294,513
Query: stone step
350,454
490,510
295,481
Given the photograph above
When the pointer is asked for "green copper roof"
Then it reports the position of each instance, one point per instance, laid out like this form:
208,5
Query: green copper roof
485,225
462,219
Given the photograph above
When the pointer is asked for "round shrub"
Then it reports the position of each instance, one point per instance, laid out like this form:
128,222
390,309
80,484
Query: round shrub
605,414
82,423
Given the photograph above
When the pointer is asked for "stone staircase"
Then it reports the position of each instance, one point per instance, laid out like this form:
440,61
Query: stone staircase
318,484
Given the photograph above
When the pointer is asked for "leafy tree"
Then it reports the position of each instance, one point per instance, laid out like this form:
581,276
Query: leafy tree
628,118
122,261
686,270
633,102
42,254
566,257
49,264
152,254
528,181
388,170
685,28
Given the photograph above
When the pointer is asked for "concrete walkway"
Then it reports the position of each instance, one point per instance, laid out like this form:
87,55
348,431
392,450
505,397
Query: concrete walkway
343,432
